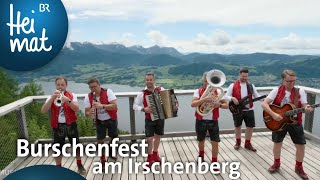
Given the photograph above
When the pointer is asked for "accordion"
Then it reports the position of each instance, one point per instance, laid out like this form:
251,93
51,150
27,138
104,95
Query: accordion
163,104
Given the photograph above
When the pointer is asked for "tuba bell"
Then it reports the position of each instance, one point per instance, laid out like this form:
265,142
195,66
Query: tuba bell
215,79
58,101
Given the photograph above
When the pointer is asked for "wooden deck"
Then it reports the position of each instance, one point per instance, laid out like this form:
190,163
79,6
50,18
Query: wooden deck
184,149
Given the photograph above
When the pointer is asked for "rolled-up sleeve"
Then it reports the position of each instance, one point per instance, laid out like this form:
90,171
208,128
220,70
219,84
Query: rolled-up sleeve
138,102
228,94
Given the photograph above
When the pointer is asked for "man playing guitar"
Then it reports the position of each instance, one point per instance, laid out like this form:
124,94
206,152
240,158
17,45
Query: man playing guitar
236,91
280,96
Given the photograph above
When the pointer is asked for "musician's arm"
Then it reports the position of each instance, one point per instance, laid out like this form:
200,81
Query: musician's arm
111,106
74,103
197,102
265,106
47,105
224,104
255,92
87,106
228,95
87,112
304,102
138,103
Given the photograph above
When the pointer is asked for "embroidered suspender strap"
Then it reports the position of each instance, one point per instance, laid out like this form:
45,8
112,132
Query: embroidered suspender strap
296,95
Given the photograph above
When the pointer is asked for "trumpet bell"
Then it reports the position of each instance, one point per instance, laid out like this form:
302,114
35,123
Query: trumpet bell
58,102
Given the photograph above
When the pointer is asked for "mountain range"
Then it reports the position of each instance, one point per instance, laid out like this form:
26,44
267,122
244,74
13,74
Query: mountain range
118,55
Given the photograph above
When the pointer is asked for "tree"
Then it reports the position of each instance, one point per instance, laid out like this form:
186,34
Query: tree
9,88
31,89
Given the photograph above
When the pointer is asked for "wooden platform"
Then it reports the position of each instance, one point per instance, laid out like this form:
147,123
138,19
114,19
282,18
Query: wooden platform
184,149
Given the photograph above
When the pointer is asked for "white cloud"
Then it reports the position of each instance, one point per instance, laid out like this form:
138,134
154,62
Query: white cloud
227,12
227,44
158,38
218,38
127,39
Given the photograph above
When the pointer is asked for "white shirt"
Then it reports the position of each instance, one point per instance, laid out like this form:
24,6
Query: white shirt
244,92
61,117
138,102
102,113
286,99
210,114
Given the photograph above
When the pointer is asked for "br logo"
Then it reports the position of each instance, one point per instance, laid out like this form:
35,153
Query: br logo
33,32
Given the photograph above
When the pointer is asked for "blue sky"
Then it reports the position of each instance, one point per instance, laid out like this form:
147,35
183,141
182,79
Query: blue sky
209,26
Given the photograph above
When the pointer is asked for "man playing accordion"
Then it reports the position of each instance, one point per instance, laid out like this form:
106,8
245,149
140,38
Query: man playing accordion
154,129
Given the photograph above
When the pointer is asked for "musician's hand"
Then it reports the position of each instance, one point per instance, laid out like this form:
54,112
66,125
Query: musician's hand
147,110
294,121
217,105
176,107
277,117
208,99
65,99
97,105
308,108
55,94
235,100
92,111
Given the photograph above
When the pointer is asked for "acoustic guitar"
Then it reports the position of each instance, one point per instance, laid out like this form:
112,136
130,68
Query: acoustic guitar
237,109
287,111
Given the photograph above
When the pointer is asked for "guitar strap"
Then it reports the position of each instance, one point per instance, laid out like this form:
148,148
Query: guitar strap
250,88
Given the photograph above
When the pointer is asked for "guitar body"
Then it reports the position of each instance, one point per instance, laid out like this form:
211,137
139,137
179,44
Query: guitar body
274,125
236,109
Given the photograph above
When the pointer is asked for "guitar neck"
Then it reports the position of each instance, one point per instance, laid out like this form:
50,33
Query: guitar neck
299,110
253,100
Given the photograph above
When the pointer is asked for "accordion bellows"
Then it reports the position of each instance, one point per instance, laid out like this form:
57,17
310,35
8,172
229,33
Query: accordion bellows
163,104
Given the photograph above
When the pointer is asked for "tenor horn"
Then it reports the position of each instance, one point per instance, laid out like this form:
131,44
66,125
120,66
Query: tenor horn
215,79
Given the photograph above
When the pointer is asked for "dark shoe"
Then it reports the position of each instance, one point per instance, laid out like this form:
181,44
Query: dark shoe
103,165
275,167
202,158
114,158
250,147
216,170
236,146
301,173
110,154
81,170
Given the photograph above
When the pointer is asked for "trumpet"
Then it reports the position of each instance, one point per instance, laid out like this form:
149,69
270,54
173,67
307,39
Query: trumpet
215,79
58,101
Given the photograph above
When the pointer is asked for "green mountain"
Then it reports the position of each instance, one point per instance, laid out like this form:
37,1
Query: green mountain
83,60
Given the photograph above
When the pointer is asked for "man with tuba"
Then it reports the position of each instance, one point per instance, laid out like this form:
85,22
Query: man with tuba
207,120
63,105
236,91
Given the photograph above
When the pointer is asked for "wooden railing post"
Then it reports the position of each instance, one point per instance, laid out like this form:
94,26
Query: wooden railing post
22,124
132,117
308,123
